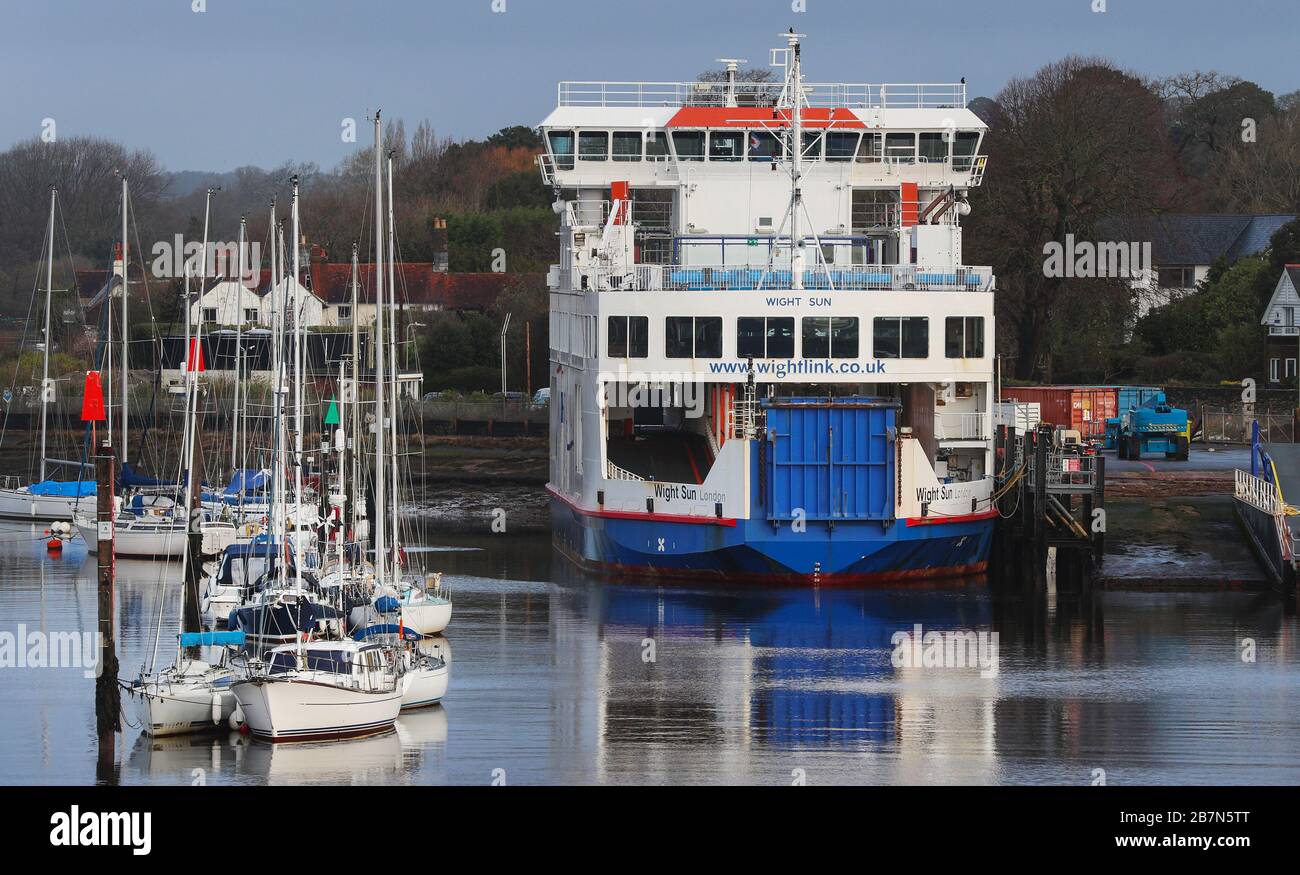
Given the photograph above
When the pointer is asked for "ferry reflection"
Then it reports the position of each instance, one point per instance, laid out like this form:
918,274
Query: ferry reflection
784,668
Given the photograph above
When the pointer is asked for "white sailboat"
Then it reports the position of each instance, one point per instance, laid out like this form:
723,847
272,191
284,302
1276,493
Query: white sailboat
190,695
47,499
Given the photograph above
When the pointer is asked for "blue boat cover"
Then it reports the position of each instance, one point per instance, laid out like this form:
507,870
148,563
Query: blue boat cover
211,639
408,634
387,605
130,477
59,488
248,480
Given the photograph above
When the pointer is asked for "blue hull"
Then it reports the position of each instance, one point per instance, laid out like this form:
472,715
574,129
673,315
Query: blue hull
849,553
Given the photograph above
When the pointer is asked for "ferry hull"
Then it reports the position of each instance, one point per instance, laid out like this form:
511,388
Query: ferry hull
859,553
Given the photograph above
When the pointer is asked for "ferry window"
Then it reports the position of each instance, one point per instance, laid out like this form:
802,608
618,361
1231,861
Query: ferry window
689,145
934,147
963,148
562,148
656,146
963,337
763,146
901,147
626,337
708,337
841,146
770,337
726,145
833,337
871,147
693,337
905,337
627,145
593,145
828,253
812,146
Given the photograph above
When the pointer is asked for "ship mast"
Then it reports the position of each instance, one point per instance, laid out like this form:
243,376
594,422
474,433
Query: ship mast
126,326
794,99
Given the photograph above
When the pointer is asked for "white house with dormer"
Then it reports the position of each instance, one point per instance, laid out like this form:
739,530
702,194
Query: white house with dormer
231,302
1282,318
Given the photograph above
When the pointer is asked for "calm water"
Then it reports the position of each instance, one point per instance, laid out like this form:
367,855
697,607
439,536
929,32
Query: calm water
549,682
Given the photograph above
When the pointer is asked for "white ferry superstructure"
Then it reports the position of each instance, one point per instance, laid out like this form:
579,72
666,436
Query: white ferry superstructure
768,361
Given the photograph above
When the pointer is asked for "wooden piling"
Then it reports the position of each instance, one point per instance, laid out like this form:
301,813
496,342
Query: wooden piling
108,703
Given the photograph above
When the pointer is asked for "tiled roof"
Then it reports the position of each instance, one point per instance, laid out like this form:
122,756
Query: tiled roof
417,283
1184,239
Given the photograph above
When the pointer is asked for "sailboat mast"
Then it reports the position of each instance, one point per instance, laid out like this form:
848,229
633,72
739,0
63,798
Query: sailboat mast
277,382
392,341
239,344
126,325
354,439
381,551
298,376
46,388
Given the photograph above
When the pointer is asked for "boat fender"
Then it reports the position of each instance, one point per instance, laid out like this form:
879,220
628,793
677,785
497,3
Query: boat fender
237,720
216,708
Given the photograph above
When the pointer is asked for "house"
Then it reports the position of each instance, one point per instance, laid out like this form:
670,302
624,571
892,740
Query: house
1184,246
1282,316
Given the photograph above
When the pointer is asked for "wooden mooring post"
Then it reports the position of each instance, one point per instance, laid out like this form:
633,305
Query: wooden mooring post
108,703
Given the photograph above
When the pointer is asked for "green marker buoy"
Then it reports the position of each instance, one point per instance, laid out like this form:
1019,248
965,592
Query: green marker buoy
332,415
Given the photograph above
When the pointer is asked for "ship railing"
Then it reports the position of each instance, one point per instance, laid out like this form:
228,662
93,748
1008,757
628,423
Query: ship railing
740,277
614,472
961,426
1257,492
848,95
1067,470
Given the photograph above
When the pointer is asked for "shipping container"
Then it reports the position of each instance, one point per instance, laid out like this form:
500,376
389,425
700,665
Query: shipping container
1082,408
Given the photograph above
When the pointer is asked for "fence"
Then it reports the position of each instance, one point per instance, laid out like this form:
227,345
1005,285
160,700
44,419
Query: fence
1225,425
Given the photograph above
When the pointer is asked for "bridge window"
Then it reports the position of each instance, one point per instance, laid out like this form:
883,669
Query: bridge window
593,145
871,148
841,146
765,337
627,145
693,337
901,148
726,145
812,146
627,337
656,146
689,145
906,337
963,337
562,148
934,148
963,149
834,337
764,146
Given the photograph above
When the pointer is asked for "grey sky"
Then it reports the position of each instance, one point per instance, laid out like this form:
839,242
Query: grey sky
264,81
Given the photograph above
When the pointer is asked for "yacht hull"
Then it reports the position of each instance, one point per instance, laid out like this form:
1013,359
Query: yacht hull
301,710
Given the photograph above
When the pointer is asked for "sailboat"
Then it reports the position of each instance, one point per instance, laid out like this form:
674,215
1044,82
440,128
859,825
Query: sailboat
47,499
315,689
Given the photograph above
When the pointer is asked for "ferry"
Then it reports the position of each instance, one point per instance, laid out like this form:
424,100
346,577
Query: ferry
768,361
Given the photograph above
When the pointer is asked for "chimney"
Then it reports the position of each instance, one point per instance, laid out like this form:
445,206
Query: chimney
440,256
117,259
316,262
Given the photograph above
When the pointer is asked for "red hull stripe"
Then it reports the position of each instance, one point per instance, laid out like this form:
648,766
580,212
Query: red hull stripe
759,117
645,517
964,518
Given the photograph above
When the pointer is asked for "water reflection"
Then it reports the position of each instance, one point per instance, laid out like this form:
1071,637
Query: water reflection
560,678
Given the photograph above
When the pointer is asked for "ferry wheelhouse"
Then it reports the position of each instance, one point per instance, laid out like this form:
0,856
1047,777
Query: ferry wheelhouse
769,362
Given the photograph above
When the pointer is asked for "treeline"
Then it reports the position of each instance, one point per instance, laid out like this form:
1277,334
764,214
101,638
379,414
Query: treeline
1081,143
